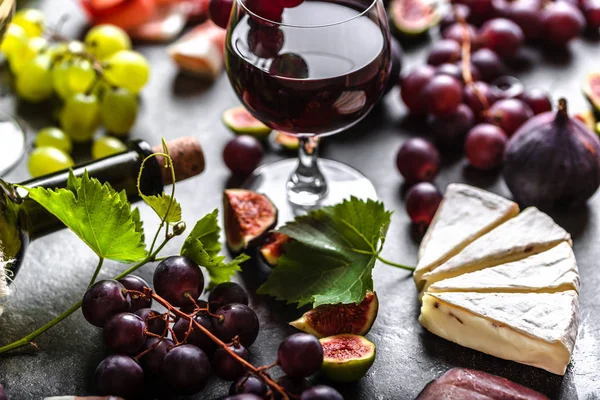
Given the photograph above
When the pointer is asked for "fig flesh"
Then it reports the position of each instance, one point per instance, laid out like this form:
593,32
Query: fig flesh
347,358
241,122
553,161
248,217
587,117
591,89
413,17
273,247
335,319
286,141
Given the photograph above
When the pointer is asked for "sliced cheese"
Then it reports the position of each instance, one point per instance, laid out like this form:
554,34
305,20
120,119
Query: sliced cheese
537,329
529,233
465,214
554,270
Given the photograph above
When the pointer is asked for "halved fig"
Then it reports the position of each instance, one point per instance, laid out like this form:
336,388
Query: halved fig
591,89
248,217
335,319
413,17
273,247
286,141
587,117
347,358
167,23
241,122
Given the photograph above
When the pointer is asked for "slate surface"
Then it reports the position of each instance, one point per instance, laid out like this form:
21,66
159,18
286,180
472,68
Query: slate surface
58,267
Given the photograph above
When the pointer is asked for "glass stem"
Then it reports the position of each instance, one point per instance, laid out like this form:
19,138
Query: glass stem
307,185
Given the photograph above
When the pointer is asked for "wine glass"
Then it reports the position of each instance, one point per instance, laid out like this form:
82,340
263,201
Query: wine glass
12,136
311,70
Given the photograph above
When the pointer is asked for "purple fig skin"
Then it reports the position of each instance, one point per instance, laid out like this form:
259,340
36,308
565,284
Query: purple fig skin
553,161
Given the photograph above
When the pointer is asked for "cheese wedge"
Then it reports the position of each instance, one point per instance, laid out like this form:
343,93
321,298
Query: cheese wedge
529,233
537,329
465,214
552,271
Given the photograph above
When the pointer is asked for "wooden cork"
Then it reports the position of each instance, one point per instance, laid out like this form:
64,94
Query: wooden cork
187,156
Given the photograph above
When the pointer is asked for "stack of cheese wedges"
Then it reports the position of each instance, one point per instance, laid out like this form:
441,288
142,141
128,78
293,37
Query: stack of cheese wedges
500,282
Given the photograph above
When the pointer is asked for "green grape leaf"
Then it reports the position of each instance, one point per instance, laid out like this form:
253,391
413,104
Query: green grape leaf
137,221
332,256
100,216
160,205
203,246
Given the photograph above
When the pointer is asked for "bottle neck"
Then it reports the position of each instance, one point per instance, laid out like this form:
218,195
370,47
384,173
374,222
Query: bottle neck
120,170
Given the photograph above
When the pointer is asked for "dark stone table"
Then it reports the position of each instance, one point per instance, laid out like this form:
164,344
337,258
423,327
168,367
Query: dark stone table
58,267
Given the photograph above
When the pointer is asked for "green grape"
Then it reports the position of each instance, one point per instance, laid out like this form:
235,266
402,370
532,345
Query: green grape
80,117
105,40
46,160
34,82
81,76
31,20
54,137
118,111
107,146
60,79
26,53
127,69
14,40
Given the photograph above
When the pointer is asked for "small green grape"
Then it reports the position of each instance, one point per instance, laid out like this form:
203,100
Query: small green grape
80,117
60,79
105,40
118,111
127,69
14,40
46,160
26,53
107,146
54,137
34,82
31,20
81,76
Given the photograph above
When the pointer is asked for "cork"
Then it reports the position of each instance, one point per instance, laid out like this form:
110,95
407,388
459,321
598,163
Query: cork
187,156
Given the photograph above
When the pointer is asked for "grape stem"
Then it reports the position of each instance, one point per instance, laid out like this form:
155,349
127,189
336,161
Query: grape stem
260,371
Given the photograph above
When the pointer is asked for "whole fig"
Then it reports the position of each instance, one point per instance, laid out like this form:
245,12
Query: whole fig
553,161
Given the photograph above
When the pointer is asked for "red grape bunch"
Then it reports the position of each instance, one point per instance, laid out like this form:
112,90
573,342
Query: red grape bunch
178,351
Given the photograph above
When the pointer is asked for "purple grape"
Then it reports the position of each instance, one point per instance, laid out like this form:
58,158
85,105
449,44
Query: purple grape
489,65
190,308
243,154
485,145
538,100
412,88
562,22
249,384
227,293
528,17
456,32
289,65
450,131
152,360
291,385
176,278
220,11
321,392
269,10
453,70
243,396
265,41
418,160
197,337
119,375
502,36
442,95
443,51
236,320
591,10
474,96
450,18
226,367
153,319
103,300
133,282
422,202
300,355
124,333
508,87
509,115
186,369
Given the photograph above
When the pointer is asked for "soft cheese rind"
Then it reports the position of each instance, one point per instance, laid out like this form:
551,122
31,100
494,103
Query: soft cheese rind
537,329
529,233
465,214
554,270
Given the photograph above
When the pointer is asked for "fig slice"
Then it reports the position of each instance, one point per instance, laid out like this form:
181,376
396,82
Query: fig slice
413,17
241,122
335,319
347,358
273,247
287,141
248,217
587,117
591,89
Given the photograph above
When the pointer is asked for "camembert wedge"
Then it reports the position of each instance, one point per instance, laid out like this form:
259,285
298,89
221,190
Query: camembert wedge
529,233
552,271
537,329
465,214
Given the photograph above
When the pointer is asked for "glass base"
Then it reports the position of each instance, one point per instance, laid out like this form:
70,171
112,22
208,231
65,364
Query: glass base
343,181
12,143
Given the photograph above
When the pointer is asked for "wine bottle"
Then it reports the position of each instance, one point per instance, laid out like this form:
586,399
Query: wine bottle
23,220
